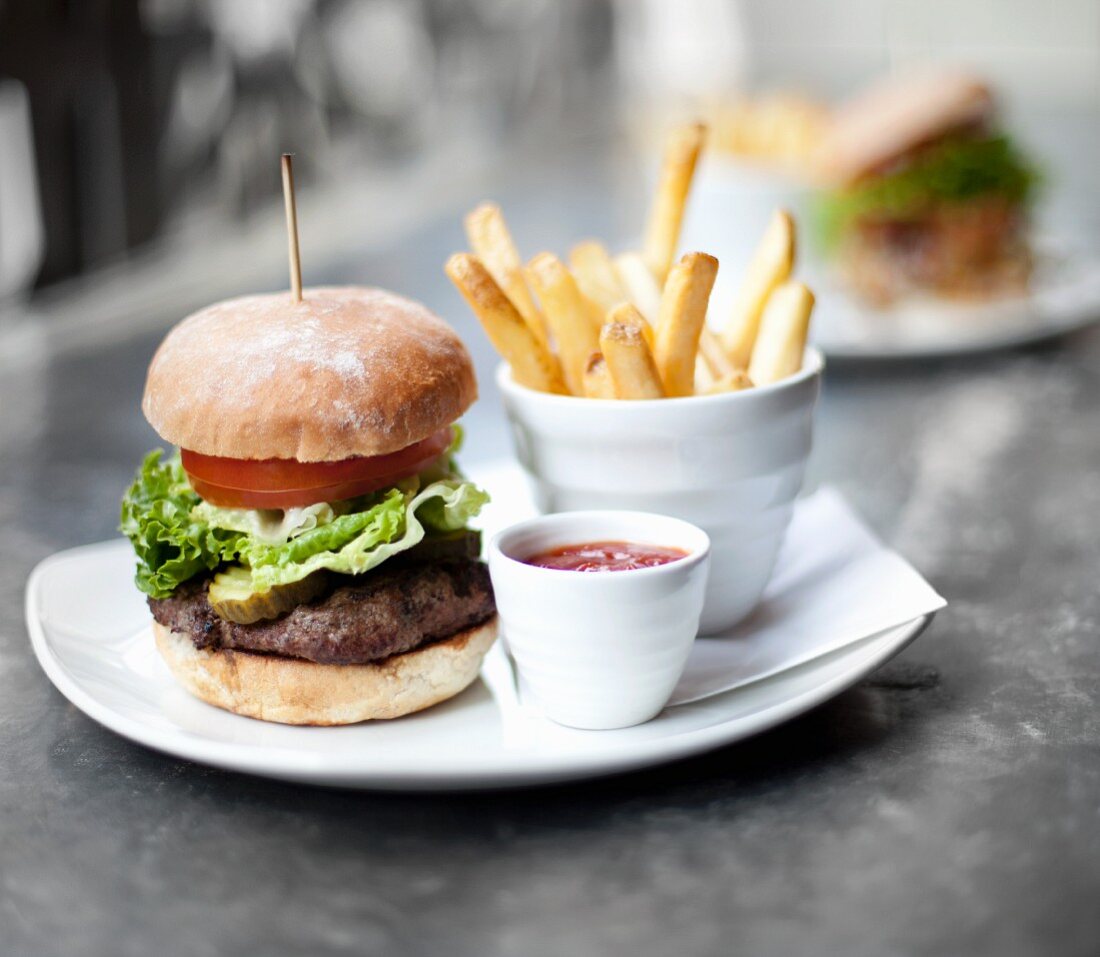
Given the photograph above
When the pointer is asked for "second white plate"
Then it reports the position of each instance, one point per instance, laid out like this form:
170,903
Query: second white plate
732,202
1065,298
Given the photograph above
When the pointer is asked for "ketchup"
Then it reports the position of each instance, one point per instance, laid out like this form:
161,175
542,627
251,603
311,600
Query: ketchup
605,557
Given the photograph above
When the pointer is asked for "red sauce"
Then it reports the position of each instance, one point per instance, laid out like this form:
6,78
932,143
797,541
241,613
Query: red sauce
606,557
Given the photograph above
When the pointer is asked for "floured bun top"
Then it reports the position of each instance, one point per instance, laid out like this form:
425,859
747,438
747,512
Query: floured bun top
897,115
347,371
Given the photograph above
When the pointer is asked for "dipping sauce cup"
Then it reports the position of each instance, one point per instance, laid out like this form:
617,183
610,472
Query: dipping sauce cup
599,649
730,463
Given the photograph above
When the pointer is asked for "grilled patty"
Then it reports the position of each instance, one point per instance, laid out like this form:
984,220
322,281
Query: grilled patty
383,613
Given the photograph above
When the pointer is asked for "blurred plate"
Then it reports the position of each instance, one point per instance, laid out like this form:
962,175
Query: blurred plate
90,630
730,206
1065,297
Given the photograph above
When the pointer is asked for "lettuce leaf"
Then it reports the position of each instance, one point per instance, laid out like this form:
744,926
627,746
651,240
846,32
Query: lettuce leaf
360,541
171,545
271,526
954,171
177,536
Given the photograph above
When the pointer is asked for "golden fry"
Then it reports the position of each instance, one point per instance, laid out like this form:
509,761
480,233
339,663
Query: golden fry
704,378
710,348
634,317
492,243
780,127
770,265
628,358
597,277
734,382
642,289
782,339
597,378
533,365
568,316
683,314
667,212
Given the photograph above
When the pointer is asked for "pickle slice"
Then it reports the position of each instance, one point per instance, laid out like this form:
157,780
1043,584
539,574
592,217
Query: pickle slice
233,597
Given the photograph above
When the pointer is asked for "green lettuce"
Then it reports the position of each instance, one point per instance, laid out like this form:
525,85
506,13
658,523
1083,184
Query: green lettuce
357,542
177,536
955,171
170,544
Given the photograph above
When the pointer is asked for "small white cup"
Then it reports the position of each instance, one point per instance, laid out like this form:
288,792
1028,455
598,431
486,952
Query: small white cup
730,463
599,650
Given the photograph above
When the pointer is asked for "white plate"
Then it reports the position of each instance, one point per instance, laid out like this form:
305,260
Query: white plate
90,630
1065,297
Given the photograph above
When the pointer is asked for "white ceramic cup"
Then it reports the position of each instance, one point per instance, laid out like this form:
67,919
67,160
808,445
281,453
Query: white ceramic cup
731,463
732,202
599,650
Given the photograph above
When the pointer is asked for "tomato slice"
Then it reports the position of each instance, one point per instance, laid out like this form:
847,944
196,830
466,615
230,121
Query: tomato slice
287,483
288,498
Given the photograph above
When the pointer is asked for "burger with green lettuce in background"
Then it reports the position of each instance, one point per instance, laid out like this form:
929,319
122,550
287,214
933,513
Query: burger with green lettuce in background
925,194
307,554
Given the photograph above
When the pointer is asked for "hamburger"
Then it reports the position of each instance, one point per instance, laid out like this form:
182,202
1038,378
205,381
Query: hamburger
925,193
306,553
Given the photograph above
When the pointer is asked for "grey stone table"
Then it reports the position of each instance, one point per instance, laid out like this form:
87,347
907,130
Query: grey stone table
949,804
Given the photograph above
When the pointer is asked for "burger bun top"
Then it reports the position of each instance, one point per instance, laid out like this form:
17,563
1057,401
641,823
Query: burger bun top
347,371
895,116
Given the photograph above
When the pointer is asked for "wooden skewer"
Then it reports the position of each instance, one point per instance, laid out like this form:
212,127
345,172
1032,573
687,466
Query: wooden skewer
292,228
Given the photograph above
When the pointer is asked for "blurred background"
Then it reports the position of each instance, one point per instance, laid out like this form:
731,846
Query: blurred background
139,139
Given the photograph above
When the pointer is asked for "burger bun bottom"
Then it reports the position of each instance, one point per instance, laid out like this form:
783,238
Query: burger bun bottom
295,691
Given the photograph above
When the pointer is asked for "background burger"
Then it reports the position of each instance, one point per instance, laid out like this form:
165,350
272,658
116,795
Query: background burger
307,556
927,195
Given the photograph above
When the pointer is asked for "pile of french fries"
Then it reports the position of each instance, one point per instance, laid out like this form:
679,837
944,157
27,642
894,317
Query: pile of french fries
780,128
634,326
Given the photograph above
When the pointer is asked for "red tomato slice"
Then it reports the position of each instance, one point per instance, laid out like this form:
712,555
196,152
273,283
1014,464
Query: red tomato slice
287,483
287,498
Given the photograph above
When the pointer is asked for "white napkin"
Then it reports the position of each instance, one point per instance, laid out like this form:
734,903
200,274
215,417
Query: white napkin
834,584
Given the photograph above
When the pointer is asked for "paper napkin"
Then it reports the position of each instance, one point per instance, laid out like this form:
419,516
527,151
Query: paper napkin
834,584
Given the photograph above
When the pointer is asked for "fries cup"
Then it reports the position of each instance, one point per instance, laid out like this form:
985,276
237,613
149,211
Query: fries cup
731,463
731,205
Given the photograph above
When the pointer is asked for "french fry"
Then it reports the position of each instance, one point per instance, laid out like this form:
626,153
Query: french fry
734,382
680,323
492,244
568,316
628,358
666,215
641,286
710,348
533,365
770,265
596,276
634,317
782,339
597,378
704,378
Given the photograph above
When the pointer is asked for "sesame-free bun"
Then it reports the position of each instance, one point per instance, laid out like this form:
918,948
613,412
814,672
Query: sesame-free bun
295,691
897,115
347,371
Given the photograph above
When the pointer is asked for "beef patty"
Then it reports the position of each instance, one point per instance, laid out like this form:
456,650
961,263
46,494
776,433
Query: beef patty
362,619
